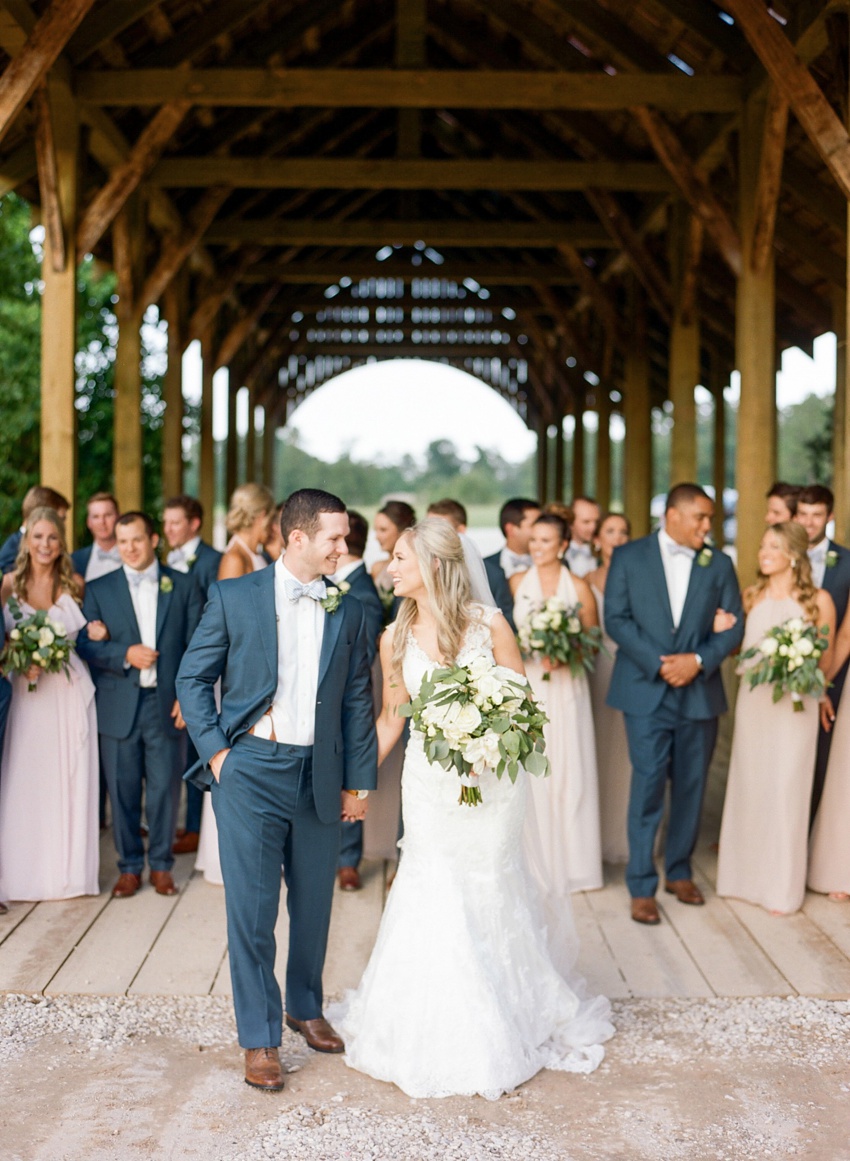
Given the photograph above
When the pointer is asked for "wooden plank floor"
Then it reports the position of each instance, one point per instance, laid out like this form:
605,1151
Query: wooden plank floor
151,945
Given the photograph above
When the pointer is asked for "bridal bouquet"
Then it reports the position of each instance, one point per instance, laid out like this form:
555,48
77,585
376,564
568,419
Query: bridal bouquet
554,630
477,717
788,655
36,640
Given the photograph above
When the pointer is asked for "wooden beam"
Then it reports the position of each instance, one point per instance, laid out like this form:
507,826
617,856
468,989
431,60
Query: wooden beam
48,179
18,167
243,327
127,177
390,231
350,173
176,250
621,230
107,22
489,274
692,185
41,50
794,81
637,407
206,449
127,461
589,286
769,181
410,89
212,301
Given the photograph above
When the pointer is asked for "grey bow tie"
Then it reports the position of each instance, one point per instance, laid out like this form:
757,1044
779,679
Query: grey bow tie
176,556
681,550
136,578
316,590
107,554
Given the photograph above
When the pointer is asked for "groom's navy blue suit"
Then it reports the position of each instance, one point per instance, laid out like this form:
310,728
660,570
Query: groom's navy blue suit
671,732
276,803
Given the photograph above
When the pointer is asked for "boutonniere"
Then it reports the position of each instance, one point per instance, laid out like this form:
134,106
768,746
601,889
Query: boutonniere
333,599
189,561
166,584
704,558
831,558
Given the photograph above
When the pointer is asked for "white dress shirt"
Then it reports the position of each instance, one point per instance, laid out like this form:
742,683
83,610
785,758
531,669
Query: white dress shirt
678,560
178,557
300,629
144,597
581,559
512,562
817,559
102,562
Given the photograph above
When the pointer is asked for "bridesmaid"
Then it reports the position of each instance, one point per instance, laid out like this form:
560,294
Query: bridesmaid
561,839
394,518
612,748
829,850
764,832
49,833
248,521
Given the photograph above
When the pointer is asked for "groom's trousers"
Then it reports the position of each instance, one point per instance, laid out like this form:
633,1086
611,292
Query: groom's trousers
665,746
266,818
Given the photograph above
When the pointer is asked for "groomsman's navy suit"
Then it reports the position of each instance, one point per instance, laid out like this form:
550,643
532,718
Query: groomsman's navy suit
276,803
139,742
9,551
671,732
836,581
5,697
499,586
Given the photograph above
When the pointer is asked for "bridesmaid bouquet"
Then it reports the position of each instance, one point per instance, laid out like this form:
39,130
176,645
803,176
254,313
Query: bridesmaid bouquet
788,655
554,630
477,717
36,640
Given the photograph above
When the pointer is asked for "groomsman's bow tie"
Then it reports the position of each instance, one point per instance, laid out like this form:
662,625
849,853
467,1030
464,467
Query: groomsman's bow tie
107,554
176,556
516,561
818,553
316,590
135,577
681,550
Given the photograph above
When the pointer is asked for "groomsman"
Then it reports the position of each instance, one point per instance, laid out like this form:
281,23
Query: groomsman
662,594
580,555
831,571
37,496
515,520
151,613
353,571
188,553
102,555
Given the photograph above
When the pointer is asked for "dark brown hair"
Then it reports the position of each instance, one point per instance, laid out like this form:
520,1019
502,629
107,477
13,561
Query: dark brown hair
192,507
303,510
358,533
132,517
401,514
817,494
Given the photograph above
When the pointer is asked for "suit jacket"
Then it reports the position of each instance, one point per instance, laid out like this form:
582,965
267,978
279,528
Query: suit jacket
363,588
237,641
117,686
80,559
9,552
836,580
638,617
500,587
204,570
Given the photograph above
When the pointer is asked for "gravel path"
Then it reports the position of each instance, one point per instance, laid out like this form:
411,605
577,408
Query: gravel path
98,1079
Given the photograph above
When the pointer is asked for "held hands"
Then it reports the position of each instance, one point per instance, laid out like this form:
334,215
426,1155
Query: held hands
141,656
827,713
353,809
723,621
679,669
97,631
216,761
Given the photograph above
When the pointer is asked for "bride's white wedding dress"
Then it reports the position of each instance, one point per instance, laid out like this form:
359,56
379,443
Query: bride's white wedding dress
462,994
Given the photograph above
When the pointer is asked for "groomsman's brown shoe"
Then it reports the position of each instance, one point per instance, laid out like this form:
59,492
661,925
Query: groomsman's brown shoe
318,1034
163,883
645,910
349,879
186,843
686,891
127,885
263,1070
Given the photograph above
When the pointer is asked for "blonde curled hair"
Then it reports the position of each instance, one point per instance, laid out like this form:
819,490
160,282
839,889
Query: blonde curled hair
247,503
796,544
63,566
439,550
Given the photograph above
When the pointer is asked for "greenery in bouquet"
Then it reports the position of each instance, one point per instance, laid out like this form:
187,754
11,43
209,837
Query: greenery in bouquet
479,717
554,631
36,640
788,656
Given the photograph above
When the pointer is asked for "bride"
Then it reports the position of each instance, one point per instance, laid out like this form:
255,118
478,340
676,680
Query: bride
462,995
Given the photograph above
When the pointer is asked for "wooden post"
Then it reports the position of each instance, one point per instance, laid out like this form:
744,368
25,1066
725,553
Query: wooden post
559,459
841,419
684,356
273,420
127,435
719,461
603,448
578,447
172,427
232,444
542,460
755,344
251,472
637,414
58,468
206,461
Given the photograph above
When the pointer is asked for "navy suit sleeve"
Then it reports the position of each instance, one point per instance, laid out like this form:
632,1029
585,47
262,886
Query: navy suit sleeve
358,717
203,663
373,611
620,622
108,655
716,648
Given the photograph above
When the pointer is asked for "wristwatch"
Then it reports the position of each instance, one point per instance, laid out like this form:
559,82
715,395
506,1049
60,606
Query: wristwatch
358,793
699,661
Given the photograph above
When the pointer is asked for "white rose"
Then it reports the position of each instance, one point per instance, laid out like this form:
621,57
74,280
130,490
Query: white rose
479,666
539,621
483,751
489,686
557,620
45,637
795,625
783,650
468,718
769,646
332,591
573,626
15,634
805,647
58,628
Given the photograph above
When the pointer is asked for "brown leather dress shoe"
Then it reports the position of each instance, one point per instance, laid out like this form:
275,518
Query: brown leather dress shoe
685,890
186,844
349,879
127,885
262,1069
163,884
318,1034
645,910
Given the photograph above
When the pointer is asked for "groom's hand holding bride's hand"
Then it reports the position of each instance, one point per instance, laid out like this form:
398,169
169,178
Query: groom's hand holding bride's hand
353,809
217,761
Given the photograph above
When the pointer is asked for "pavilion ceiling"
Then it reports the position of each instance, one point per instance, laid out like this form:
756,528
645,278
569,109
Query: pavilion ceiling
480,181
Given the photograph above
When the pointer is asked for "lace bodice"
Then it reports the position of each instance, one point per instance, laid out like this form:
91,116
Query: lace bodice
477,642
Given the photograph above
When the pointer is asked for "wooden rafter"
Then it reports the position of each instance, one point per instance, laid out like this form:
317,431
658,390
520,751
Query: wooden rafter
48,179
390,231
628,239
39,53
769,179
235,338
176,250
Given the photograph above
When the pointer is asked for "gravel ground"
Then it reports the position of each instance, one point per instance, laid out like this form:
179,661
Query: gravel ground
160,1079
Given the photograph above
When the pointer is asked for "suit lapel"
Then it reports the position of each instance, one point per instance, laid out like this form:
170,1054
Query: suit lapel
263,594
333,625
125,601
658,577
163,601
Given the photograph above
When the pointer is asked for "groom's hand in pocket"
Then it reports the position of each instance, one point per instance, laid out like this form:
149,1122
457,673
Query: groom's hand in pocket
216,763
353,809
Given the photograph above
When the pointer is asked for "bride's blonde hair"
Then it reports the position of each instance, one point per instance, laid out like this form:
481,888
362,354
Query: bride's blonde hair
439,551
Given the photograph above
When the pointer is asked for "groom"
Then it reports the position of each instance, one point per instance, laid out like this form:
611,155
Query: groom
291,751
661,597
